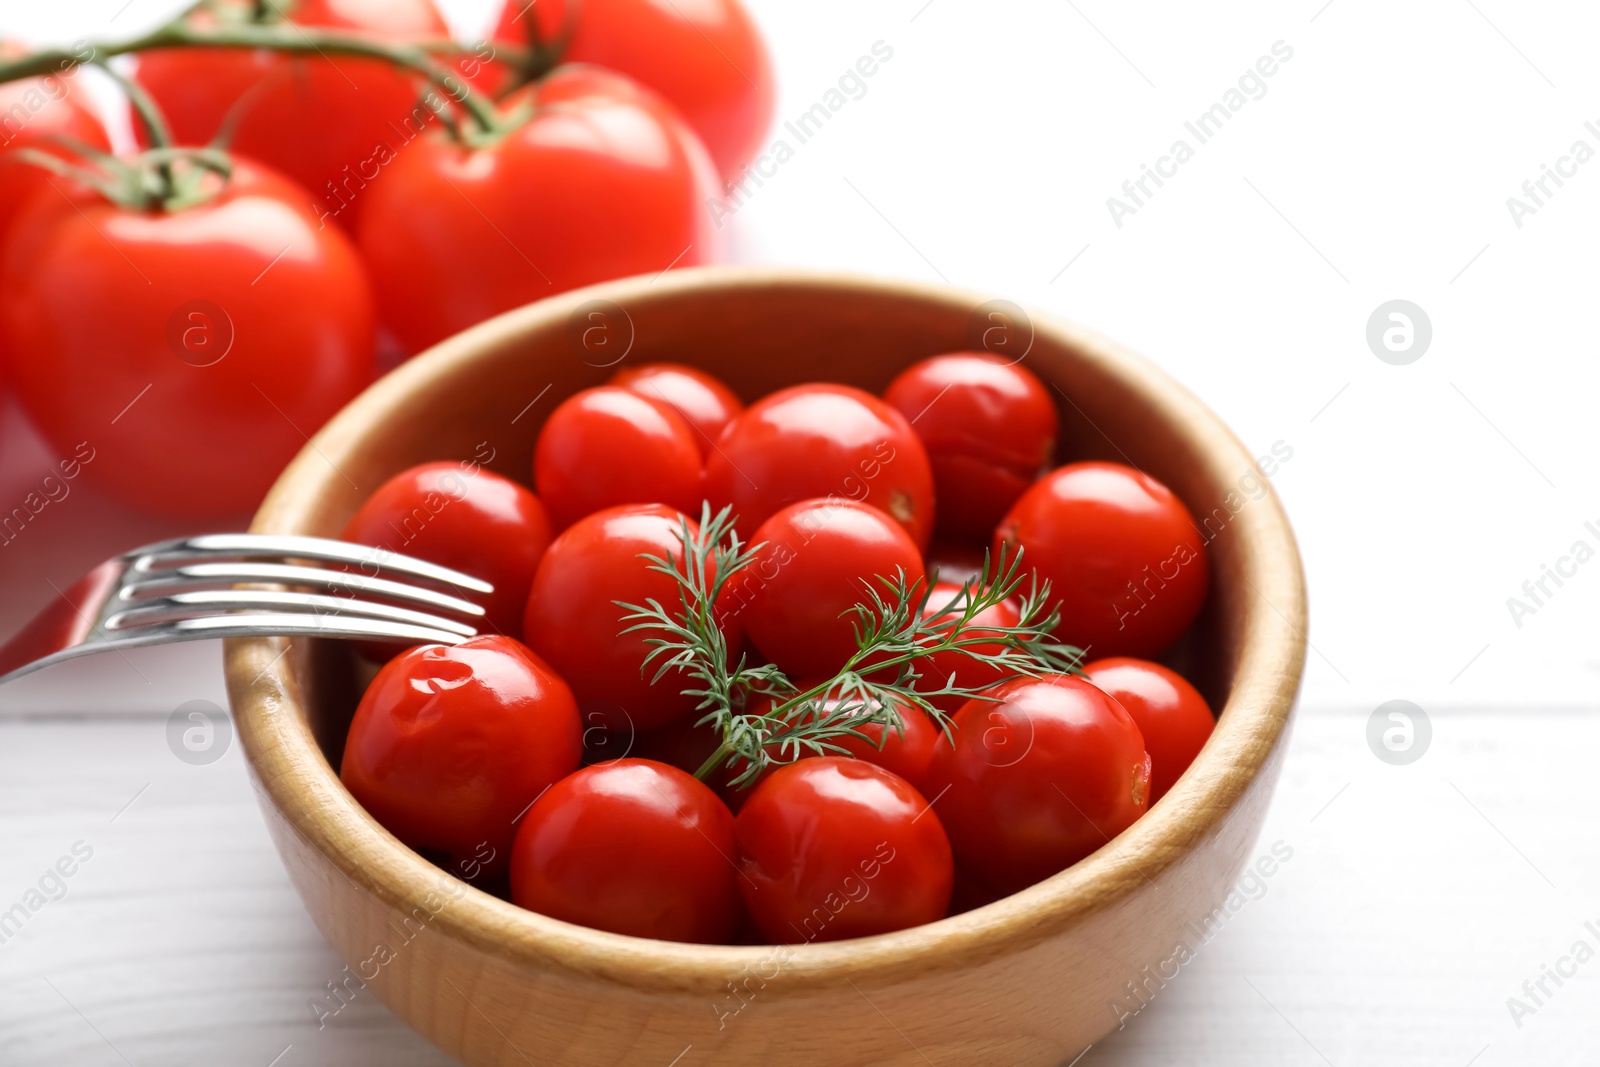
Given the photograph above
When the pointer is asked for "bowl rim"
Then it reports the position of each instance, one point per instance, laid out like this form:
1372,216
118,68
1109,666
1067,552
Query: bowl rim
297,780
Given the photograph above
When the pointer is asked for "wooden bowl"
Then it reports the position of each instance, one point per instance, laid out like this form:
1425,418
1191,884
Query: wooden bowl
1031,979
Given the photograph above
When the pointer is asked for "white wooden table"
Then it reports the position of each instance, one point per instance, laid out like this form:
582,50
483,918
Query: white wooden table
1416,901
1374,164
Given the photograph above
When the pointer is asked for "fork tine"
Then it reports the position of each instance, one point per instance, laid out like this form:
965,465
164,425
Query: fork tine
285,546
274,624
181,579
212,601
278,625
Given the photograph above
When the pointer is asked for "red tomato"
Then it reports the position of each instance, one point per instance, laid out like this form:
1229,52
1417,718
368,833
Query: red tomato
833,848
1172,715
938,669
1038,780
35,112
687,746
906,751
1121,552
573,621
601,182
634,847
450,745
194,349
970,894
461,516
319,119
706,57
822,441
699,399
989,428
609,446
819,560
955,562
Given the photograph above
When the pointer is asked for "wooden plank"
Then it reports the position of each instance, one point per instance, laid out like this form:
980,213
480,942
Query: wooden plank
1393,935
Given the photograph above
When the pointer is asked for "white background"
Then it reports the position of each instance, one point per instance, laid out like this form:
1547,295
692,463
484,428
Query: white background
1376,166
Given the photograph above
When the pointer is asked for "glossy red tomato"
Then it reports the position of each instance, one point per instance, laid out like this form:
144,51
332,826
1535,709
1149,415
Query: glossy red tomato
1121,552
955,562
1038,780
634,847
704,56
687,746
820,559
450,744
609,446
833,848
700,399
822,440
319,119
194,349
34,113
989,427
1172,715
601,182
572,619
905,751
458,515
958,668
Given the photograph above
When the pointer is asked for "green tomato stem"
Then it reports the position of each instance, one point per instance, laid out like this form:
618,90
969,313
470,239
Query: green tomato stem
286,38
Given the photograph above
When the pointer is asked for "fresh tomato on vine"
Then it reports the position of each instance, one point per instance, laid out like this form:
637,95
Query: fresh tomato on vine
319,118
37,113
706,58
191,321
587,176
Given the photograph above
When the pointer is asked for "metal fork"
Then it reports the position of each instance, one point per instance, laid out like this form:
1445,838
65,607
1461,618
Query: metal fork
195,587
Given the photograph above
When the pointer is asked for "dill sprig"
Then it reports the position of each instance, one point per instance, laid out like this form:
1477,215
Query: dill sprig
763,718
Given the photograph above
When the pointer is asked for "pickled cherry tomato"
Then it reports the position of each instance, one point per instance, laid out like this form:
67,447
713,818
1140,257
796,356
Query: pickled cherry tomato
634,847
958,668
451,744
989,427
822,441
1124,558
461,516
820,559
573,621
609,446
832,848
1172,715
698,398
1038,779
